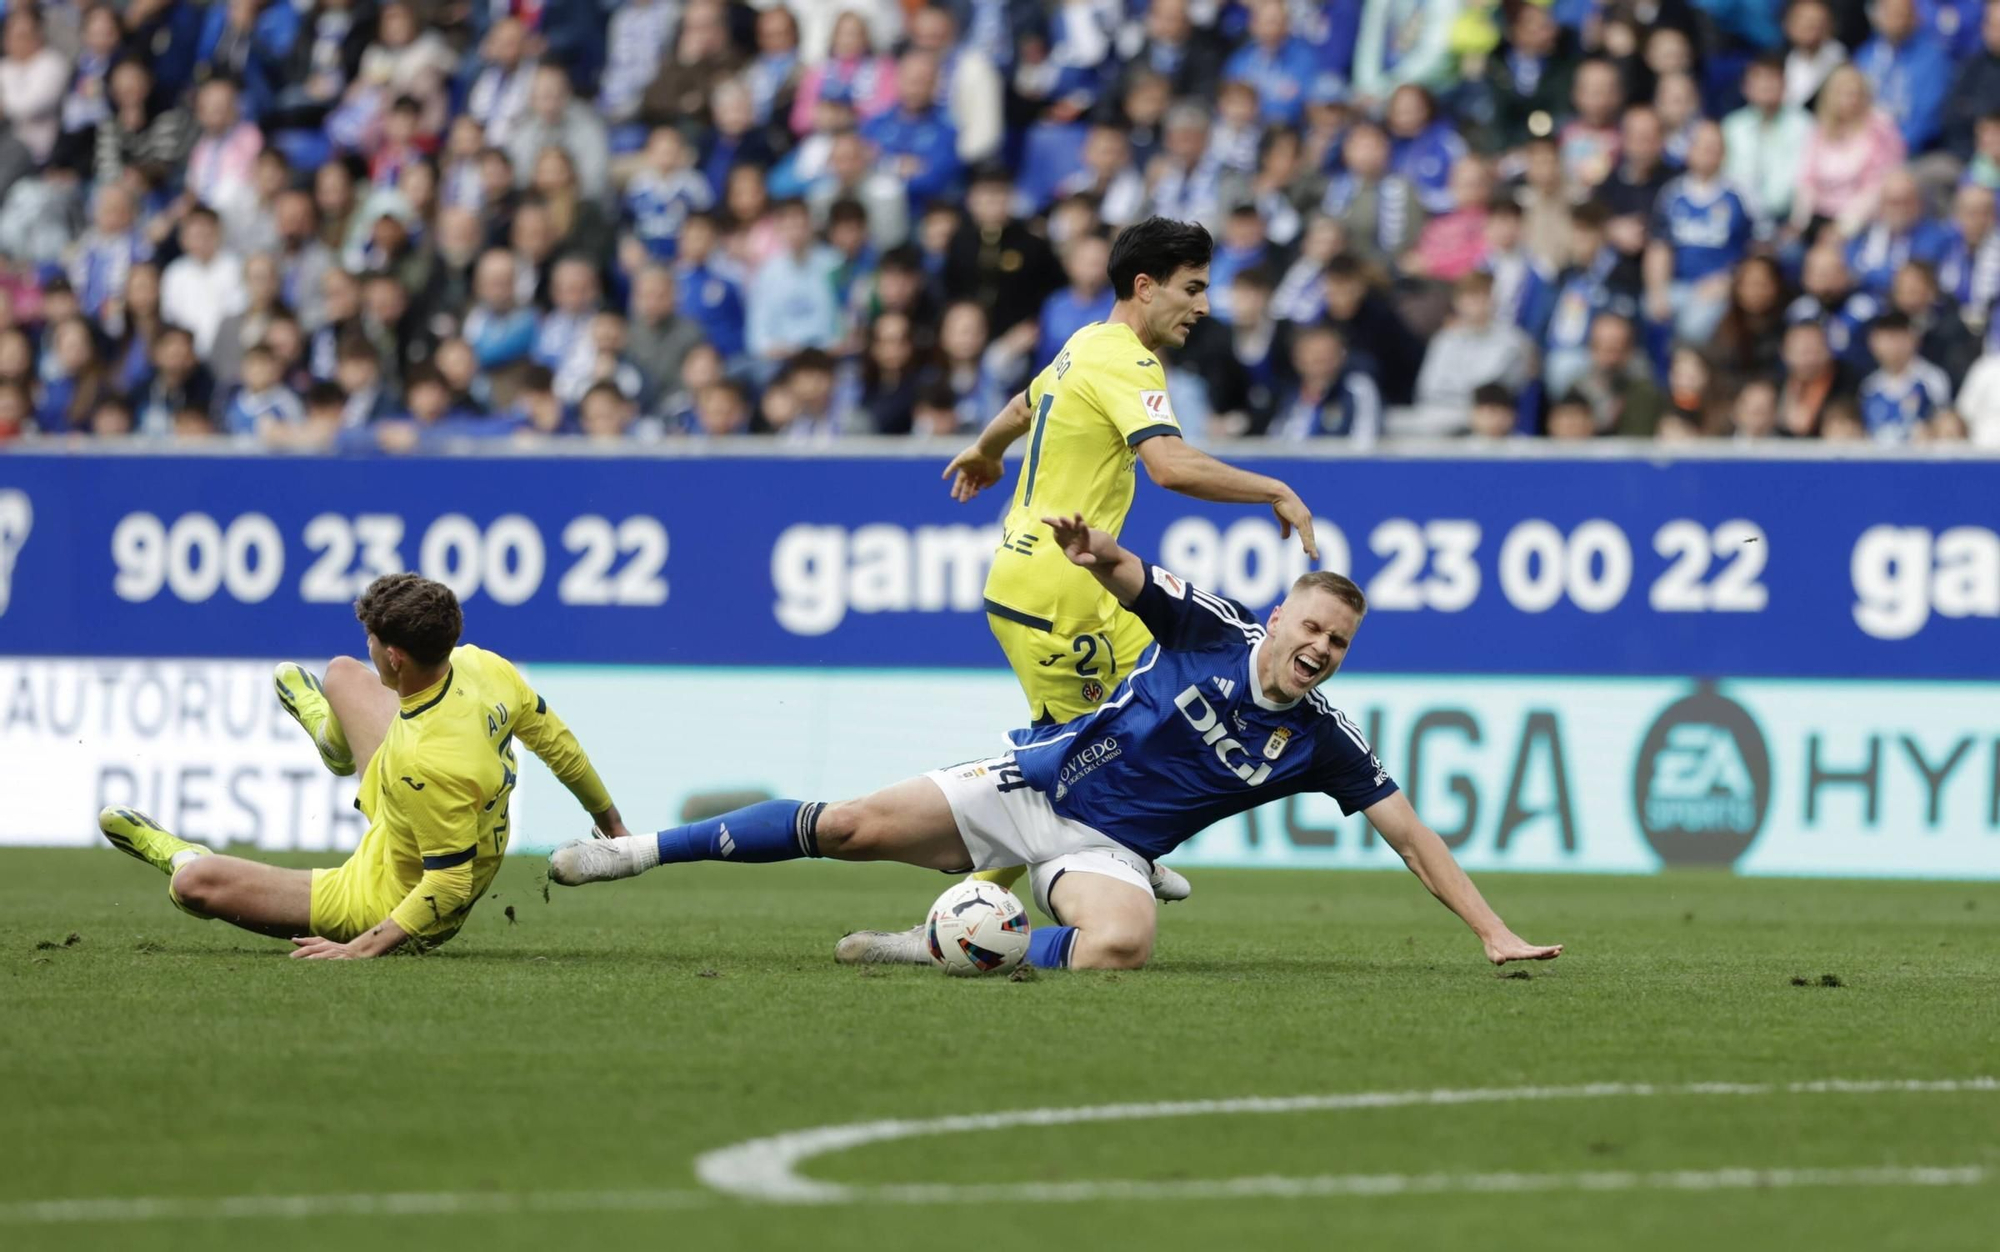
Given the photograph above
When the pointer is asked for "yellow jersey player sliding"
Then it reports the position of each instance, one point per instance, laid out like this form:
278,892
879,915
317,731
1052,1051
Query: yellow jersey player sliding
1091,417
431,726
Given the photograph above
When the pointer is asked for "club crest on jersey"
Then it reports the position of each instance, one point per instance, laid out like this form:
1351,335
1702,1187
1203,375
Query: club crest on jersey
1276,743
1093,691
1156,406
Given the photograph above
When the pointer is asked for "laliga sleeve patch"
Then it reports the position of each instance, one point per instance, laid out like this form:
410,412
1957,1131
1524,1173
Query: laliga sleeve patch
1169,583
1158,408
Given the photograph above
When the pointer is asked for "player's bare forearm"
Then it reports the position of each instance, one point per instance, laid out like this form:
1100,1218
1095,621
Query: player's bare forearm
981,466
1007,426
385,937
1433,864
1180,467
1119,571
608,823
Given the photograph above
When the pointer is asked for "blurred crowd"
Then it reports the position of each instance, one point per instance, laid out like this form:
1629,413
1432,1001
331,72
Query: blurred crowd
375,225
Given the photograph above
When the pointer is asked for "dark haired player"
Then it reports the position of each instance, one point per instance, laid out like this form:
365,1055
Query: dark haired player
1221,715
1098,410
431,726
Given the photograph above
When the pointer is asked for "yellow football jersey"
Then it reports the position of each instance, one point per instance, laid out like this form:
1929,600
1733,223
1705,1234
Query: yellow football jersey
436,792
1102,396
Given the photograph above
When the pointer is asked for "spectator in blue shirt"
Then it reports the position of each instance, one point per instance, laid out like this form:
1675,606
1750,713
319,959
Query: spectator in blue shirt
1583,290
1278,64
1330,398
916,139
1087,299
1423,148
1900,233
665,189
1701,229
500,330
791,301
1910,70
1524,289
263,401
1828,296
1955,23
1905,390
711,291
1969,265
1242,245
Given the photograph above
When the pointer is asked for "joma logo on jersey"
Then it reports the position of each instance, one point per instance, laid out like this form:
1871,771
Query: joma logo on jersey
1195,708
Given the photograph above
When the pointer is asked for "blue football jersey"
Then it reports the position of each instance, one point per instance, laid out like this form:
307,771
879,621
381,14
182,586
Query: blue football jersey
1707,226
1189,738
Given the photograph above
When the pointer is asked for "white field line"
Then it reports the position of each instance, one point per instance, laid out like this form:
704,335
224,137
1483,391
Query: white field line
364,1204
1359,1186
765,1169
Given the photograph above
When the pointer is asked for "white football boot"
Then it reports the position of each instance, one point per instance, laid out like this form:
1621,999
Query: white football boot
884,947
583,861
1169,884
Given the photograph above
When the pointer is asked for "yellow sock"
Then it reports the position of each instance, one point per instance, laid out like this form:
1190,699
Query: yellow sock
1002,877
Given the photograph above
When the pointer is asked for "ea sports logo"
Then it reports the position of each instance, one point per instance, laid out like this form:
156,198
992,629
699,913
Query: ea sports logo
1702,783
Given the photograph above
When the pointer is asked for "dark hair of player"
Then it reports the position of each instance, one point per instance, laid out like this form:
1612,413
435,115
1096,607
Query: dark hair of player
1339,586
1156,247
411,612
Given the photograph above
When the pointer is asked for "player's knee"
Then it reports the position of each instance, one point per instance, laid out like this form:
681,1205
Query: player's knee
201,884
844,830
1116,947
342,671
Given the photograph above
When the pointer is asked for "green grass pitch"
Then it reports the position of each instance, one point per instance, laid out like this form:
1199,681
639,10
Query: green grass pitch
603,1040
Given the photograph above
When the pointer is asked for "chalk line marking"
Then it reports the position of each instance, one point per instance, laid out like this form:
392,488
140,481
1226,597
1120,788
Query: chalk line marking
765,1170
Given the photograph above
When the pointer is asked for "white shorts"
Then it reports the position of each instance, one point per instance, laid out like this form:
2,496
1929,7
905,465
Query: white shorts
1005,822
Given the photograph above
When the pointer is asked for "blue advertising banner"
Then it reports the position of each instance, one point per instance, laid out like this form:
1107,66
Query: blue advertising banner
1594,565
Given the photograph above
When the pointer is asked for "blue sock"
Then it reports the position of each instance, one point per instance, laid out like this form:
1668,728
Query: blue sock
1049,946
776,830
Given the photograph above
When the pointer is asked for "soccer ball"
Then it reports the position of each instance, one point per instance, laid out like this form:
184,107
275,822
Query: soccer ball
977,928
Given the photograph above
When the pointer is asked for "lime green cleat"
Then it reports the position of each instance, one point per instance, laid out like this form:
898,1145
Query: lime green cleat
299,691
142,838
137,835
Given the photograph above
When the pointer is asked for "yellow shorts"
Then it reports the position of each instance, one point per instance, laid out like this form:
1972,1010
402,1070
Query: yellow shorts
1066,675
352,899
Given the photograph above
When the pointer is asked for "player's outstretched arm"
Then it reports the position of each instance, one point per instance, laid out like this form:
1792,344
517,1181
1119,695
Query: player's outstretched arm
1121,572
1179,466
1431,861
979,466
386,937
549,738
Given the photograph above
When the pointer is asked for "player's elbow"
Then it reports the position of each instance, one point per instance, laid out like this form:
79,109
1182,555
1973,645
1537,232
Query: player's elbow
448,891
1164,464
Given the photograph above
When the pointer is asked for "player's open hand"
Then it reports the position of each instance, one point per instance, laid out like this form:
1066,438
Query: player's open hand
1509,946
316,948
973,471
1294,515
1082,545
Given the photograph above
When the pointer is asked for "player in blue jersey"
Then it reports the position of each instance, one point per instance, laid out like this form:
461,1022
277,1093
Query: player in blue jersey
1220,716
